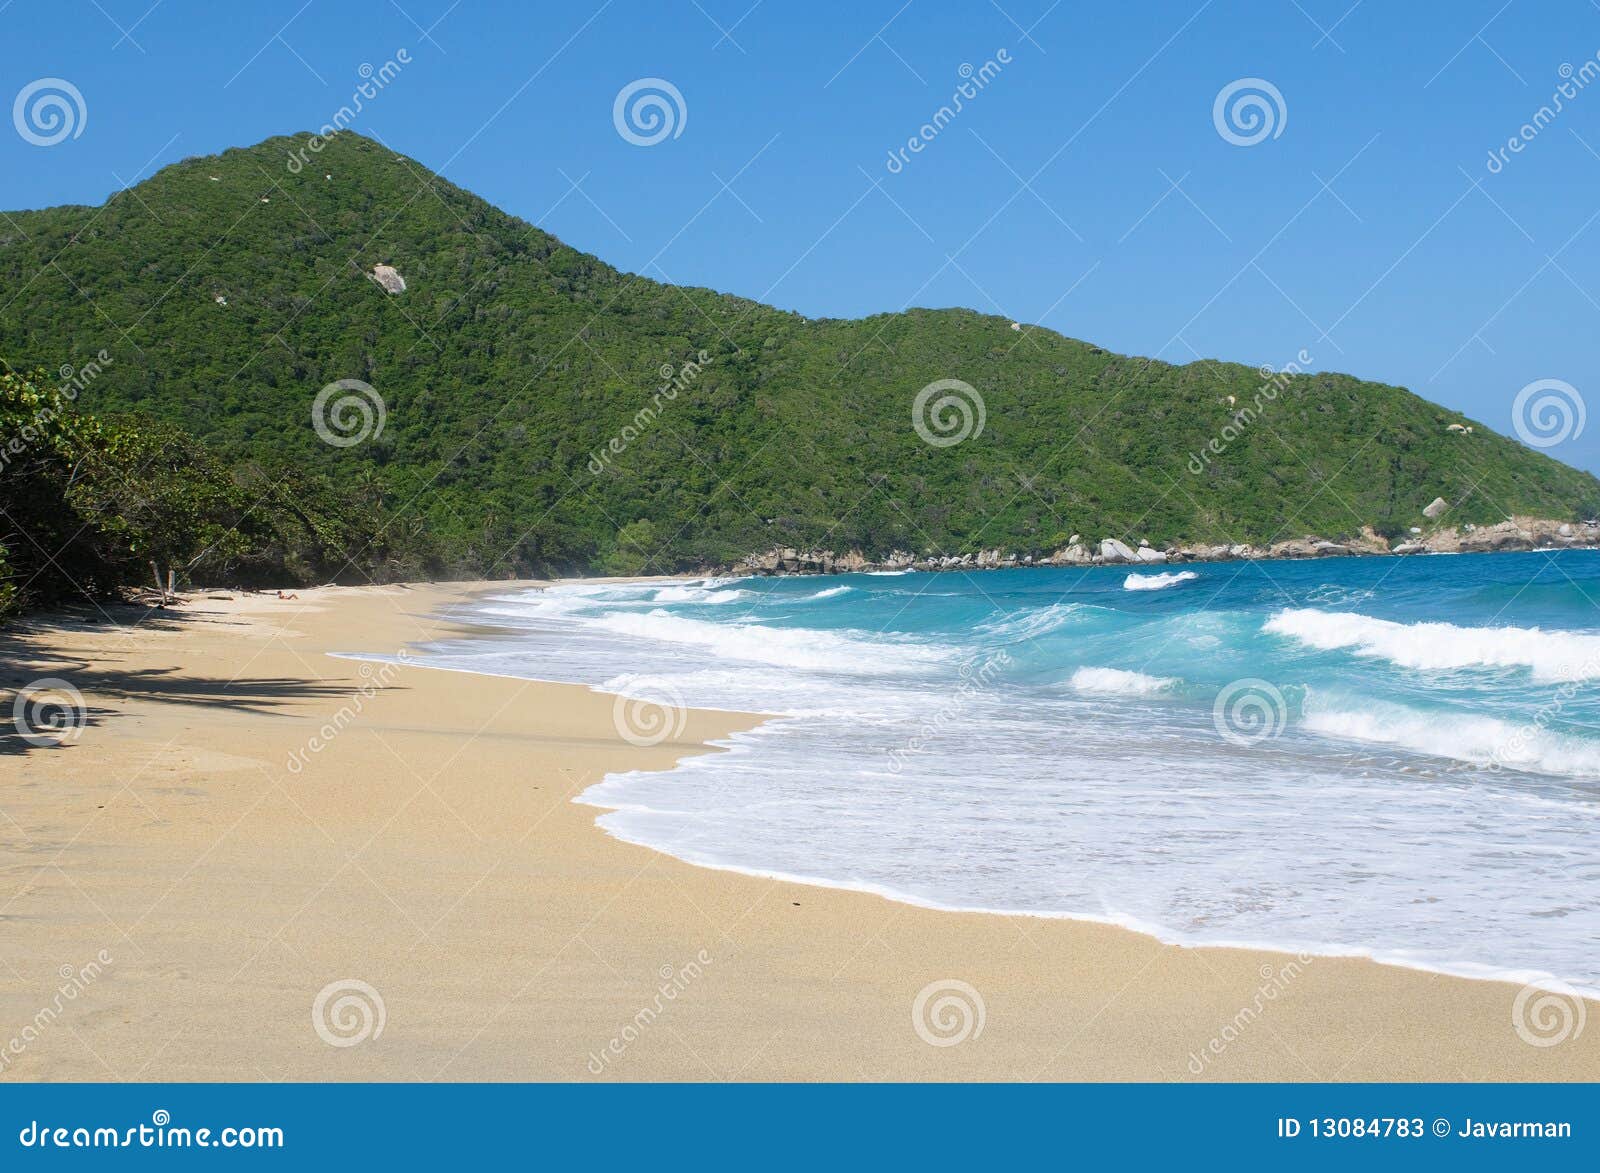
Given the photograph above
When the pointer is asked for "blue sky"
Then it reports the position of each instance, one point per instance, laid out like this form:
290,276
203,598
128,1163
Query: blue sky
1086,187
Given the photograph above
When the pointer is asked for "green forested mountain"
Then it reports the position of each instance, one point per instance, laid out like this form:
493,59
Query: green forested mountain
228,291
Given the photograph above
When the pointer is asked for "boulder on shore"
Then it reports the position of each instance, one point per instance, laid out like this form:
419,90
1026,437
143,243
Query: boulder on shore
1515,533
1112,550
1507,535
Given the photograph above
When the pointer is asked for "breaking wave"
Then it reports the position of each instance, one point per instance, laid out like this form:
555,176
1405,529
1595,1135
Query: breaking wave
1548,655
1116,682
1156,582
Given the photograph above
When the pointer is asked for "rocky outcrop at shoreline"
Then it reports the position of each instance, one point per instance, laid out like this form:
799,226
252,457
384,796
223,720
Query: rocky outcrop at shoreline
1516,533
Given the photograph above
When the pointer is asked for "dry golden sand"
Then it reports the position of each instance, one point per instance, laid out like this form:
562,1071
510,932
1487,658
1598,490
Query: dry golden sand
433,850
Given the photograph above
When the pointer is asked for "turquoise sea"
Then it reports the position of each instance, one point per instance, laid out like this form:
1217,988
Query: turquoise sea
1397,757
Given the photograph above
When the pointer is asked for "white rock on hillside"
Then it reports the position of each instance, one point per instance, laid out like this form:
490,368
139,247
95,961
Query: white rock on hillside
1434,508
389,277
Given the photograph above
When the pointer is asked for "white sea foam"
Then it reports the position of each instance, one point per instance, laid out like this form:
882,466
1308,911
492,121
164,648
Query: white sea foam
1482,741
677,594
619,825
563,599
828,593
1156,582
789,647
1117,682
1548,655
574,594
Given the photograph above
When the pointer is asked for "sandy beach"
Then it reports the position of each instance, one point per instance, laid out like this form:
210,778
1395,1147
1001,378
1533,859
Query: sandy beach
248,827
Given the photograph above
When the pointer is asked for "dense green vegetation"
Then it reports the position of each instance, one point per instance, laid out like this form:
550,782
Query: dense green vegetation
87,506
545,412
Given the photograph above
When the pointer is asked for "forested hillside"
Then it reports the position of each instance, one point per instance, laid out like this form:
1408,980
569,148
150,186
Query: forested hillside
534,401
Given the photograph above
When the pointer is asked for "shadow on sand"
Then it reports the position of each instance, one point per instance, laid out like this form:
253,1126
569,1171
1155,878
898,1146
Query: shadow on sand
43,689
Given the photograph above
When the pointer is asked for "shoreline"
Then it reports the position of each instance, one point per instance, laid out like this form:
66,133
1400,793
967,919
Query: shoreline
1463,971
526,968
1394,957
